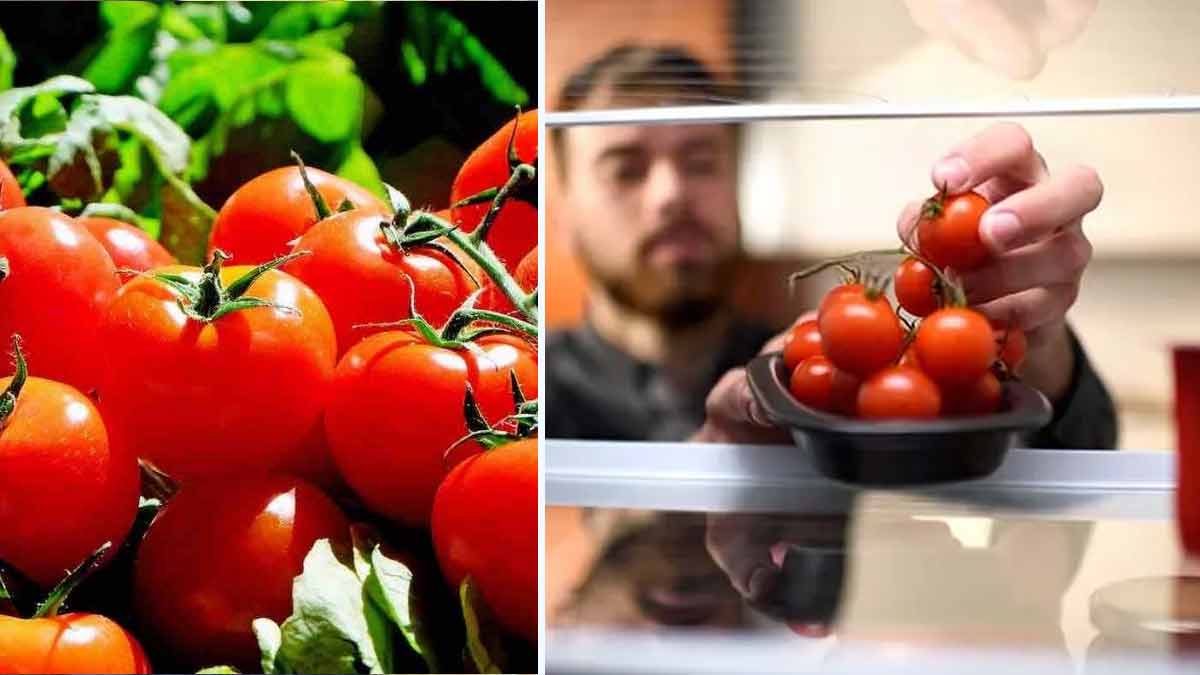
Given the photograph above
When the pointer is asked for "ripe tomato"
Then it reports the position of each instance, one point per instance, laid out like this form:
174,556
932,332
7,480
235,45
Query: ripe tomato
955,345
839,293
981,396
515,231
222,553
818,384
526,276
397,407
860,335
916,287
261,219
237,393
1011,344
948,232
128,246
10,190
59,281
899,392
69,643
64,490
363,279
485,526
803,341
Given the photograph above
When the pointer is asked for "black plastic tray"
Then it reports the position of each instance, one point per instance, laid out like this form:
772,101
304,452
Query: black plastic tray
898,453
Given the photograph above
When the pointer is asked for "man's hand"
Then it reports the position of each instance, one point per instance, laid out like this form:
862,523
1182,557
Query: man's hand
1034,229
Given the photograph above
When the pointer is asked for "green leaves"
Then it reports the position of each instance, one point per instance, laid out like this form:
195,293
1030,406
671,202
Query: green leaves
218,670
484,646
8,63
325,100
125,52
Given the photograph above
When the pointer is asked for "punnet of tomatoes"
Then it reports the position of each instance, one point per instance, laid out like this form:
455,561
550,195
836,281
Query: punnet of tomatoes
315,451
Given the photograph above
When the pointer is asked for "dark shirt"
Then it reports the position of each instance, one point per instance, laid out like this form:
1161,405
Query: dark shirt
595,391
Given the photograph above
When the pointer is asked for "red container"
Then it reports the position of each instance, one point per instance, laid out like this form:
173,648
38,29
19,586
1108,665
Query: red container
1187,429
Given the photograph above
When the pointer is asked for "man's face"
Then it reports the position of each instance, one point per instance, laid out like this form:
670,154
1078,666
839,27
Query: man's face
654,214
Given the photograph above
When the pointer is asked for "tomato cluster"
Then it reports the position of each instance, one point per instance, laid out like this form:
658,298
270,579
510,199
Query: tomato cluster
862,357
327,349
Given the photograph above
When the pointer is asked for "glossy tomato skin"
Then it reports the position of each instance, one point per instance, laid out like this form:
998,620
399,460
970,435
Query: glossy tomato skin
818,384
11,196
802,341
262,218
514,232
955,345
129,247
951,238
59,282
241,393
899,392
64,489
222,553
916,287
982,396
362,279
397,407
484,524
526,276
860,335
839,293
69,643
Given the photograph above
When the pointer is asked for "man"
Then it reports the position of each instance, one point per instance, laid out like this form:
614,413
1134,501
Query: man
653,215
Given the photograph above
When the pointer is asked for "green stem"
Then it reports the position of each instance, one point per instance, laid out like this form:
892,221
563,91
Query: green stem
842,262
502,319
50,605
318,200
8,399
522,175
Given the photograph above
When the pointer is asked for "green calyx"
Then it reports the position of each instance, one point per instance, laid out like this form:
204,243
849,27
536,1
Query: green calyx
521,424
50,606
8,398
319,202
208,298
4,268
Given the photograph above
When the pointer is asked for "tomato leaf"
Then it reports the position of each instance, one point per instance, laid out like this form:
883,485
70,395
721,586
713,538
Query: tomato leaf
483,636
327,102
8,63
126,50
390,585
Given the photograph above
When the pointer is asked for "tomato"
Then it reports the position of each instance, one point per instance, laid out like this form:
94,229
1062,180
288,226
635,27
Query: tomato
526,276
59,281
397,407
916,287
839,293
484,523
11,196
223,552
262,218
69,643
802,341
899,392
860,335
948,232
217,396
1011,344
955,345
981,396
515,230
818,384
129,246
64,490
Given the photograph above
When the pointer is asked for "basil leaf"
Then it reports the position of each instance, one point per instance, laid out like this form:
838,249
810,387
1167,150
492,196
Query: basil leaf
326,102
358,167
8,63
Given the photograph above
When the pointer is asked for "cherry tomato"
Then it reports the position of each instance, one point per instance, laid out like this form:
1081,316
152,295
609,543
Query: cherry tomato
899,392
485,526
129,246
838,293
1011,344
64,489
526,276
11,196
223,552
262,218
948,232
59,281
981,396
818,384
803,341
514,231
237,393
397,408
916,287
955,345
363,279
69,643
860,335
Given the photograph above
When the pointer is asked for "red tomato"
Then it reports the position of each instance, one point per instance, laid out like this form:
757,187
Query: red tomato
818,384
262,218
981,396
222,553
803,341
69,643
837,294
526,276
238,393
58,283
128,246
899,392
64,490
916,287
362,279
484,524
1010,344
955,345
948,232
860,335
11,196
397,407
515,230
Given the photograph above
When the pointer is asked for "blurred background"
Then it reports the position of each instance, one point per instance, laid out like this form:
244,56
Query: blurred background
814,189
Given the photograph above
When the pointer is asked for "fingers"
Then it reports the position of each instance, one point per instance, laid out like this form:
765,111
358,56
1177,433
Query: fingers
740,545
1055,261
731,402
910,216
1033,308
1037,212
1004,149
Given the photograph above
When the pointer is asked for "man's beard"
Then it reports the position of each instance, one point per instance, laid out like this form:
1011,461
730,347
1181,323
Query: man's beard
679,296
